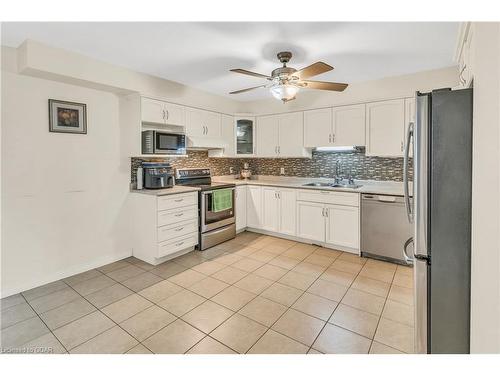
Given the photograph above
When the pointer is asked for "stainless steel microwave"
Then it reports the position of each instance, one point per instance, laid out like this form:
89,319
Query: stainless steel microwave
158,142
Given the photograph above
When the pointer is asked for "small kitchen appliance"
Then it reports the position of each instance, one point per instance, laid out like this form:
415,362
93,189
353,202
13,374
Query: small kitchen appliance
157,175
162,142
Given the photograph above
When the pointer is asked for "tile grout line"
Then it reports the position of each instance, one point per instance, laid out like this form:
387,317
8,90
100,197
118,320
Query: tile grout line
214,258
380,317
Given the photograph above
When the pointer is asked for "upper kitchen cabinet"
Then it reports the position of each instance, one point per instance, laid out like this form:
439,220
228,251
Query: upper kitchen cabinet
348,125
385,125
291,135
281,136
268,128
203,129
245,136
334,127
155,111
200,123
227,138
318,128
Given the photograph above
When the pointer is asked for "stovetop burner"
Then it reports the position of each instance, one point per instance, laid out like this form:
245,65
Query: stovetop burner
199,177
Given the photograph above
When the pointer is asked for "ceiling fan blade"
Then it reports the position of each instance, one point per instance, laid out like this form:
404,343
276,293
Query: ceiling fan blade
244,90
318,85
313,70
249,73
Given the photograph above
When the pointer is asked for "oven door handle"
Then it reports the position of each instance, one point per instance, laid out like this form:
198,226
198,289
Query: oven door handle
211,191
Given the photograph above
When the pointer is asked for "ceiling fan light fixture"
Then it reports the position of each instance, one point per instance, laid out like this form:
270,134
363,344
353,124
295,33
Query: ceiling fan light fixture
284,92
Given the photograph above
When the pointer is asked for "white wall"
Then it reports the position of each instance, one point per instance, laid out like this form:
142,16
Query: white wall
63,195
485,299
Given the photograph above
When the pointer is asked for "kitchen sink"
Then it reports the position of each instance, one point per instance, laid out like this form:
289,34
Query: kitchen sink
318,184
326,184
346,186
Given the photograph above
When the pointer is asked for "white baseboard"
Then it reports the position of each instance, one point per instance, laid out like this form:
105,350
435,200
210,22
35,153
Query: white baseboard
10,290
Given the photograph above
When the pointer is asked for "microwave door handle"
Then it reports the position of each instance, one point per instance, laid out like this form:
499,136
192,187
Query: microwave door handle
406,182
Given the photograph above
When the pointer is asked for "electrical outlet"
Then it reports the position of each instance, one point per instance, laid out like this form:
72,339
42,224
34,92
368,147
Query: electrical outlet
231,170
282,170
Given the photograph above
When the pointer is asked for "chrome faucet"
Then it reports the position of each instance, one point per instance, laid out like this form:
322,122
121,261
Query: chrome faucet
338,169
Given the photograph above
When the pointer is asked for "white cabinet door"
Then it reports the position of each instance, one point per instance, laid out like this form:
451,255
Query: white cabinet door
152,111
311,221
287,212
212,123
203,124
174,114
342,226
409,117
267,136
385,127
194,123
270,209
254,206
291,135
241,207
318,128
349,125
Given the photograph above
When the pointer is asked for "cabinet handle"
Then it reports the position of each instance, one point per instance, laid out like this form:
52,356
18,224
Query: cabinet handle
333,138
180,214
279,149
323,212
163,114
279,194
326,212
179,229
179,243
402,146
179,200
166,113
329,138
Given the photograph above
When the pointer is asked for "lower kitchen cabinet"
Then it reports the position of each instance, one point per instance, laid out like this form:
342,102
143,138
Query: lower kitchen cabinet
342,226
329,217
311,221
163,227
278,210
254,207
241,207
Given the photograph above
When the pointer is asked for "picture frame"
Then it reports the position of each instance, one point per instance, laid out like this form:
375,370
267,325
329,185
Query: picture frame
67,117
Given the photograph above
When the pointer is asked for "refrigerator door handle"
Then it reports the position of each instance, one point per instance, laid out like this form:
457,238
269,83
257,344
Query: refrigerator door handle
406,182
408,259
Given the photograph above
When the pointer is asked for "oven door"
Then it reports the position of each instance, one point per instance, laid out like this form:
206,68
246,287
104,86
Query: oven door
212,220
170,143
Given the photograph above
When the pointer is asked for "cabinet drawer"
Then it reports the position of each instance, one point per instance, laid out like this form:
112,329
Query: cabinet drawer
168,232
177,200
181,243
331,197
176,216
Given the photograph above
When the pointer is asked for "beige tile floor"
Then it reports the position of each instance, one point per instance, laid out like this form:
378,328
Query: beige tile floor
253,294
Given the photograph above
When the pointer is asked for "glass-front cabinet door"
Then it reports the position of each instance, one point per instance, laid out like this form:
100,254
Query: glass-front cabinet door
245,135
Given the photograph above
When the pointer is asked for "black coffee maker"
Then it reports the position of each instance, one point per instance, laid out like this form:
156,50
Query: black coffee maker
158,175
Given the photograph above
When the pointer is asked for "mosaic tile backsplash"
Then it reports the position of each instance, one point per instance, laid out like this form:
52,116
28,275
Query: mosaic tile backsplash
322,164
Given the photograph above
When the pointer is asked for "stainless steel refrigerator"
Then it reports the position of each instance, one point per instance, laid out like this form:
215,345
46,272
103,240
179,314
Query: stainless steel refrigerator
441,138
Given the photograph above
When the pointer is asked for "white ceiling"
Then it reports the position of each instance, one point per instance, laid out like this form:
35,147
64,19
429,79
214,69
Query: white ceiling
201,54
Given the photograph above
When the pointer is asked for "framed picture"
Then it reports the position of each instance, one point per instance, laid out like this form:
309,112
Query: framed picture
67,117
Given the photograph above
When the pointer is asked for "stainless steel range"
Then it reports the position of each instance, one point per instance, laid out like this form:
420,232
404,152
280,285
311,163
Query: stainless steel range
216,224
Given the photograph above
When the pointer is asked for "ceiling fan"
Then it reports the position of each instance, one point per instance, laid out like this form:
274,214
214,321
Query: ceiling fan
285,82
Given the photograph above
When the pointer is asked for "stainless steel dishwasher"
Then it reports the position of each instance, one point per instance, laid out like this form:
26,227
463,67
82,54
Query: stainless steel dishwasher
384,227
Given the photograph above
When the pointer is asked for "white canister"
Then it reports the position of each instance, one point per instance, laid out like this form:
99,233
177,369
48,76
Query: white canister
140,178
